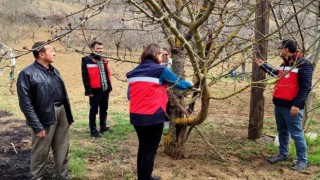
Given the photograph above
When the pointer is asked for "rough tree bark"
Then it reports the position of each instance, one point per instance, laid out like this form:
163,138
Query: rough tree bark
314,58
174,145
257,97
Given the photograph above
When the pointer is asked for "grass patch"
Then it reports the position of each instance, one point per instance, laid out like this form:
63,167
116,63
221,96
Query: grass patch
318,109
82,112
292,150
269,126
77,157
107,145
313,122
313,150
271,149
247,153
81,151
81,124
249,149
112,149
77,167
122,127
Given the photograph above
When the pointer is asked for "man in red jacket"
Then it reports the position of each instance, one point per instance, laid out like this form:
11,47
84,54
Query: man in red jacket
290,92
96,78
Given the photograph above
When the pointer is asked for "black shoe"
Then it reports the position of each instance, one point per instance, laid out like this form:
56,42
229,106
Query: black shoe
277,159
299,166
155,178
95,134
106,129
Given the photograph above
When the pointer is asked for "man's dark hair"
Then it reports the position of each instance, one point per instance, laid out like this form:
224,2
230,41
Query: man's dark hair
38,47
93,43
292,45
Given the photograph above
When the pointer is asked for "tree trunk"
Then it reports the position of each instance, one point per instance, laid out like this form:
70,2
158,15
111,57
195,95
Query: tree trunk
257,98
174,141
310,103
314,58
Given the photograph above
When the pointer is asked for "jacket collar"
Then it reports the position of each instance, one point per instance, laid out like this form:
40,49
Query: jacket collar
292,59
95,57
40,66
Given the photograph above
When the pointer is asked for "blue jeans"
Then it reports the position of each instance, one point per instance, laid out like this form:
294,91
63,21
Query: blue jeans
290,125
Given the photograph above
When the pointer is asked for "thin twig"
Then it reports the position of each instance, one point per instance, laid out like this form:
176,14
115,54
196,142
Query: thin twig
14,148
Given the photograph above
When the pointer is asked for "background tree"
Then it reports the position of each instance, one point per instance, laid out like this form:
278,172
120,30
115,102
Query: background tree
314,58
260,51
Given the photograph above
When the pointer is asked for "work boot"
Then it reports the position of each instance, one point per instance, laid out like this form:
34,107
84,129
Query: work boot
155,177
299,166
95,134
277,159
106,129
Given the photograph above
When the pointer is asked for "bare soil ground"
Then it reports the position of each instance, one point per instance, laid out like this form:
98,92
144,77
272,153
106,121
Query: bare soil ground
15,150
229,119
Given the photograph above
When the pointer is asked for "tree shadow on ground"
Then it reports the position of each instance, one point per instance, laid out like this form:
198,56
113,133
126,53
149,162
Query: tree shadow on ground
15,150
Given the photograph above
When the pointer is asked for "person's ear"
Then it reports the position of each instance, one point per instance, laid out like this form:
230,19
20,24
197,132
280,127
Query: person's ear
41,54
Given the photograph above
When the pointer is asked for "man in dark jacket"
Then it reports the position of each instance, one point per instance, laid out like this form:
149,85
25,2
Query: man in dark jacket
96,78
44,101
290,92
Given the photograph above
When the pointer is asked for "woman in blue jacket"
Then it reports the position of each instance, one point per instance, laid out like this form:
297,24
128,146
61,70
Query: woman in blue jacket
148,100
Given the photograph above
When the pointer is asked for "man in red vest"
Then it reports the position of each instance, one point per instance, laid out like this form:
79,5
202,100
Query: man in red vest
290,92
96,78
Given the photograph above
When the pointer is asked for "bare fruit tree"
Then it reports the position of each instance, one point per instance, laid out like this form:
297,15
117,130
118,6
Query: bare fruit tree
213,35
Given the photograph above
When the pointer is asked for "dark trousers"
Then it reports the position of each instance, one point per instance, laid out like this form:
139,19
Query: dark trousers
149,139
98,101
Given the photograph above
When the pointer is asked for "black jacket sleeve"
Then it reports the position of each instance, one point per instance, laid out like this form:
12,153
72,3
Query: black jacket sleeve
85,76
305,83
25,102
270,70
